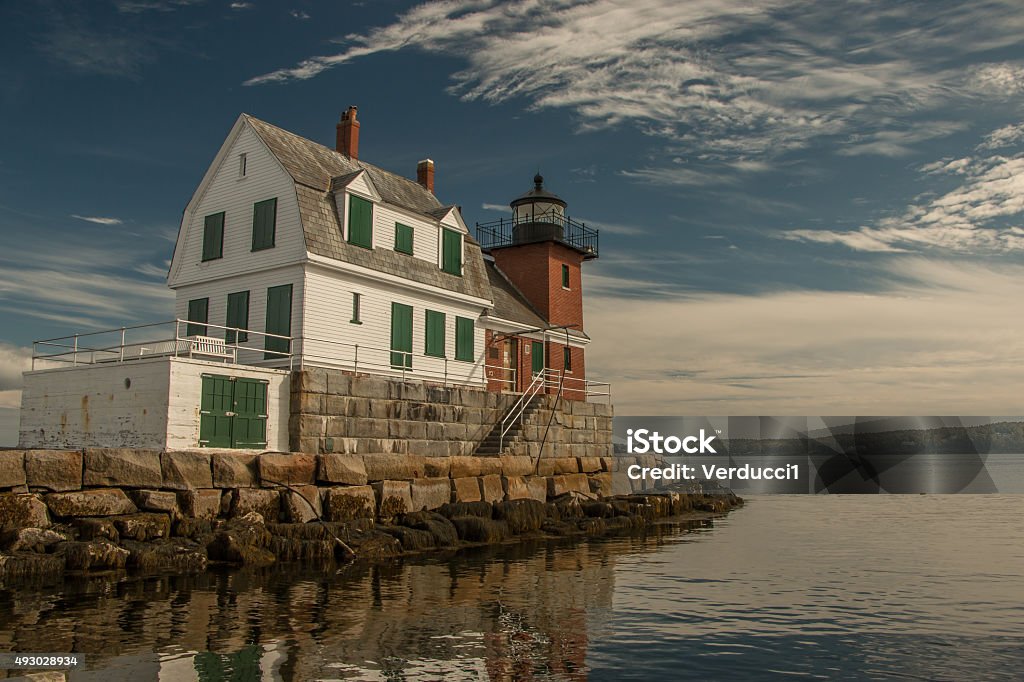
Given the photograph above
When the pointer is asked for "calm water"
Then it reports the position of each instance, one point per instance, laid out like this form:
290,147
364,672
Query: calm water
821,587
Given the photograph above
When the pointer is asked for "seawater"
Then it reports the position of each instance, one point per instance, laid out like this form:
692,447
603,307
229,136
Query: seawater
810,587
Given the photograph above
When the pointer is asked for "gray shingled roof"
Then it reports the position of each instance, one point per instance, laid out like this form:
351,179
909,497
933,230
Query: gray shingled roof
317,170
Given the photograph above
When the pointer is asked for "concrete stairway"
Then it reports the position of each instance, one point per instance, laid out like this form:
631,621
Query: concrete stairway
490,446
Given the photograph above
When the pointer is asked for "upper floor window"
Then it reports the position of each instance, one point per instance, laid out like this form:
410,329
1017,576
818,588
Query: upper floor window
213,236
357,300
242,159
451,252
264,224
403,238
565,276
360,222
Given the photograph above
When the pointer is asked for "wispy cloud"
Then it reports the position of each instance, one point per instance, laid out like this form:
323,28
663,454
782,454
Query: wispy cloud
897,351
299,14
96,51
983,213
733,79
501,208
93,281
98,220
140,6
240,5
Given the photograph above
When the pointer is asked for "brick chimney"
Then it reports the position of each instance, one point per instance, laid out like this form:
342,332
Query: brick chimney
347,140
425,174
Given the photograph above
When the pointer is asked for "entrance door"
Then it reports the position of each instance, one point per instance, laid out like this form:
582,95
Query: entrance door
509,362
233,412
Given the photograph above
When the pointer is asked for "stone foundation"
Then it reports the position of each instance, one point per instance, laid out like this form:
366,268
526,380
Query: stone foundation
337,412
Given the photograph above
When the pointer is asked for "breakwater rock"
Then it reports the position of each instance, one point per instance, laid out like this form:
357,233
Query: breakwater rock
180,512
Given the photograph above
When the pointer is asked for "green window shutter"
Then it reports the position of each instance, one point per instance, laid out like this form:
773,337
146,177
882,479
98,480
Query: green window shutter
464,334
435,334
537,357
401,335
279,321
198,312
238,316
360,221
451,252
264,224
403,238
213,237
565,276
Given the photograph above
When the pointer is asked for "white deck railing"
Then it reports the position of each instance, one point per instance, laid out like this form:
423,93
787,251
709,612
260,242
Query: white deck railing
234,345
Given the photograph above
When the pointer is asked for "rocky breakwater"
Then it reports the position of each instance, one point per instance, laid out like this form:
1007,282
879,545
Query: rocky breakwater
118,509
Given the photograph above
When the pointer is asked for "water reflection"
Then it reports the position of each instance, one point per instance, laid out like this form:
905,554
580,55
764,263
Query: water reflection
513,612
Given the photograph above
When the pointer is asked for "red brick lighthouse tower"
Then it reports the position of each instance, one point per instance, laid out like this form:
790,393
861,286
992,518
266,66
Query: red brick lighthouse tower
541,251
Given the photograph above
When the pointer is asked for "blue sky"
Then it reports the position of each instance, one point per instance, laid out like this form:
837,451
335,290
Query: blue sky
805,207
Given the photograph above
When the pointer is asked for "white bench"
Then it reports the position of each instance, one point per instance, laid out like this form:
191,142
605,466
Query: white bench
211,346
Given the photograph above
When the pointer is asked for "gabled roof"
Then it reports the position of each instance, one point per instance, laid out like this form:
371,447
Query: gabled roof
319,171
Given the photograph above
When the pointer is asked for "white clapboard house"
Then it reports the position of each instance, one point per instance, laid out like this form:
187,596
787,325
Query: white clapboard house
292,255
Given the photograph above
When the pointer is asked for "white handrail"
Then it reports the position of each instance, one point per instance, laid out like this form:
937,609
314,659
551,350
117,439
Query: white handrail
539,382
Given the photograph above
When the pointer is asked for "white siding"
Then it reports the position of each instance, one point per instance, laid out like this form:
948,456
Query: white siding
256,284
150,403
426,234
103,405
330,338
235,195
186,385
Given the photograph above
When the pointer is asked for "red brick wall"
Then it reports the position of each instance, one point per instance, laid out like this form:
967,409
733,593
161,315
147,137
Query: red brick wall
573,387
536,269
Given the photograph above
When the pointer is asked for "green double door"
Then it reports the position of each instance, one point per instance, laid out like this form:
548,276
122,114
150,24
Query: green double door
233,412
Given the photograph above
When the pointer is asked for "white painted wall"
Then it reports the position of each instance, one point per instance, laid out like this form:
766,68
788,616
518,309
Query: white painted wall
256,284
93,406
151,403
329,337
226,191
186,393
426,234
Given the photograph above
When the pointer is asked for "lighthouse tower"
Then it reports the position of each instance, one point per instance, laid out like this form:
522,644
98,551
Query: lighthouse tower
541,251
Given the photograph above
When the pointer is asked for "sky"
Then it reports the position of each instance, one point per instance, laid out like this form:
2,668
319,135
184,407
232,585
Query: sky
804,207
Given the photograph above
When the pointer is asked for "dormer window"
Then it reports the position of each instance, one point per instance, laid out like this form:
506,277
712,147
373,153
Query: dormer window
451,252
360,222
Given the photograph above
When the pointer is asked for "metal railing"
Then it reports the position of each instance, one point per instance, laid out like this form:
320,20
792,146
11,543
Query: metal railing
515,230
540,381
235,345
163,339
355,357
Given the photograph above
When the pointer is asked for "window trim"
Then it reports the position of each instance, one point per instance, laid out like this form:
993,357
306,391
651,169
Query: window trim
566,282
357,300
567,359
